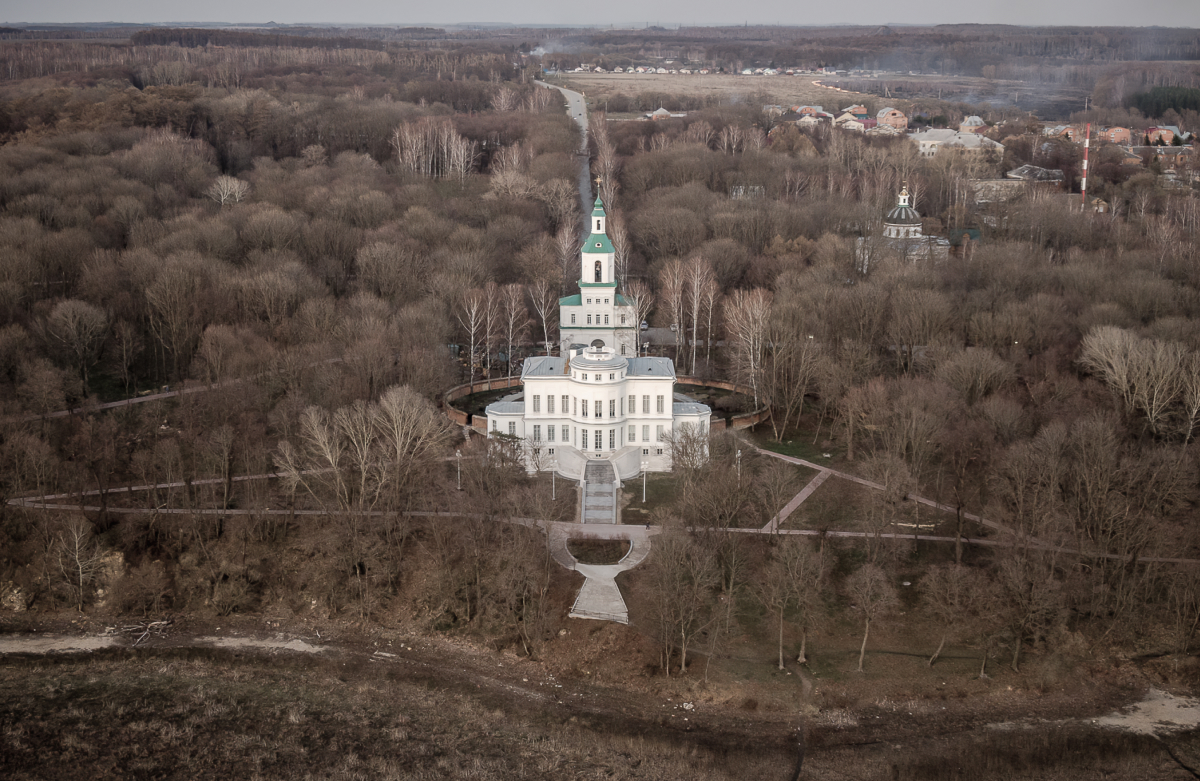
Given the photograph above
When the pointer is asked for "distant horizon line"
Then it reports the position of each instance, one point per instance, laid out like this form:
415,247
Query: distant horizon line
579,25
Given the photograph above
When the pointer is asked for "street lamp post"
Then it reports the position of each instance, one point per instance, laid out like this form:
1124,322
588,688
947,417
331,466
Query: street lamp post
645,464
553,474
739,468
458,462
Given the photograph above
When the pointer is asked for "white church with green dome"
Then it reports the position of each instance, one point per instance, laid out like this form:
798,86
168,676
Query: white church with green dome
597,316
597,406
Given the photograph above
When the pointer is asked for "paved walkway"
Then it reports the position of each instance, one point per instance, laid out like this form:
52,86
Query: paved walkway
791,506
600,598
599,493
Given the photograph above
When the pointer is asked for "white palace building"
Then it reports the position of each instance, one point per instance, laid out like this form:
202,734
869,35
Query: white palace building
597,401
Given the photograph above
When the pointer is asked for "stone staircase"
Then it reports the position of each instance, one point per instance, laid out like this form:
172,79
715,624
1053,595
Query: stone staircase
599,493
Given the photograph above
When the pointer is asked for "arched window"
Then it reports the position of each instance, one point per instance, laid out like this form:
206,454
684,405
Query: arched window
598,271
597,225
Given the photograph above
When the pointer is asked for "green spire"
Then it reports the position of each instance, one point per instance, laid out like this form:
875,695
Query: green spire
599,210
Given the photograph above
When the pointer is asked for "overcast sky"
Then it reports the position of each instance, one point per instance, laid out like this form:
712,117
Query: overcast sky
1166,13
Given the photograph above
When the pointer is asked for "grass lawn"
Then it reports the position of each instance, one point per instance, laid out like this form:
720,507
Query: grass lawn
798,445
661,491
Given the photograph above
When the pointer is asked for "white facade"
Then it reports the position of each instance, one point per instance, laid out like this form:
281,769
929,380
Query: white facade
597,400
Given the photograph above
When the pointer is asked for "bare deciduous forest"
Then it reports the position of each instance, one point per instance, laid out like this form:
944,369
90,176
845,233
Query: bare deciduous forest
285,247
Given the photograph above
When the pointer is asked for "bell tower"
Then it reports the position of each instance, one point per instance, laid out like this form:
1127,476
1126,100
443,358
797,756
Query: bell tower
597,255
598,316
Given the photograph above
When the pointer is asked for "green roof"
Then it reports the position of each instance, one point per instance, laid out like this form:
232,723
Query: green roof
575,300
598,244
599,210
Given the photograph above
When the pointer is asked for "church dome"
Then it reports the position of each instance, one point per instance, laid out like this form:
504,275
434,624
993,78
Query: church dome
902,213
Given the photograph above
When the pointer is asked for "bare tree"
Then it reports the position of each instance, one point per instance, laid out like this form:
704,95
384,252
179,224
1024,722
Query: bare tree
747,316
514,320
492,324
874,597
791,582
710,298
952,594
227,189
684,574
79,329
622,249
545,305
638,294
470,312
566,242
80,557
698,277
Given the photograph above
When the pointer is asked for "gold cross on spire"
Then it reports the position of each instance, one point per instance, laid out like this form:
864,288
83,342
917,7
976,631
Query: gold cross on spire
599,179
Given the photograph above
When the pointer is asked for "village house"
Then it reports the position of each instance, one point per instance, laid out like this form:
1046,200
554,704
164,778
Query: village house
972,124
1164,134
892,118
929,142
1116,135
857,111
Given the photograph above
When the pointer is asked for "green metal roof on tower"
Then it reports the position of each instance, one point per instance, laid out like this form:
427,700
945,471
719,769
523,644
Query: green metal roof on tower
598,244
599,210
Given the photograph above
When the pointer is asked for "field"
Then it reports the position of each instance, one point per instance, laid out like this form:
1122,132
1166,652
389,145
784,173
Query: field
783,90
378,703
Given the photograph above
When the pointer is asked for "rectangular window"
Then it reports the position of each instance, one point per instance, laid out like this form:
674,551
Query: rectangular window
660,451
599,408
622,349
605,319
622,406
645,405
585,378
612,408
550,451
566,404
632,404
549,433
495,424
584,404
660,434
633,433
599,439
622,319
606,300
537,433
645,451
584,434
572,318
612,376
645,433
566,434
537,403
550,404
589,319
660,405
574,406
589,301
512,428
612,439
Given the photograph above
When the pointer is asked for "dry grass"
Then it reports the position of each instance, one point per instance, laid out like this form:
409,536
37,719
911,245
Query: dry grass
783,90
220,716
